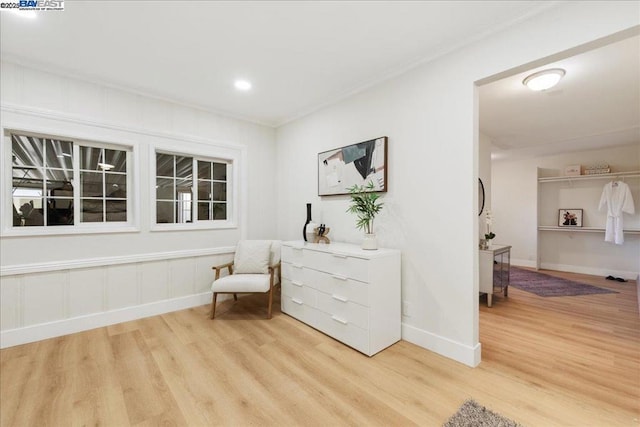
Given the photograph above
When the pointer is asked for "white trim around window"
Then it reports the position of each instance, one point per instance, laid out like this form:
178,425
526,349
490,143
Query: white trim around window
229,156
78,227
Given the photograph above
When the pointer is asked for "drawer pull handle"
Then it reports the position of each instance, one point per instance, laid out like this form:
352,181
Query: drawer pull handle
339,298
296,283
297,301
339,256
337,276
339,320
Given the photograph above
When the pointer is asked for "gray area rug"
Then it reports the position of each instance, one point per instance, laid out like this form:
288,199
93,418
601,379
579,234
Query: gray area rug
472,414
549,286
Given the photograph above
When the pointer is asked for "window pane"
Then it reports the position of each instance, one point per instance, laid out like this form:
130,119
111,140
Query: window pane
91,184
91,210
90,157
164,189
220,171
184,211
164,212
117,158
59,154
28,211
219,211
203,211
27,150
164,165
183,186
60,211
204,190
184,167
219,191
204,170
116,210
60,180
116,186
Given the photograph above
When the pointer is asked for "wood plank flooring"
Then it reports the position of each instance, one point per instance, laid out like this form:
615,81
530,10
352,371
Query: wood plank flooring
564,361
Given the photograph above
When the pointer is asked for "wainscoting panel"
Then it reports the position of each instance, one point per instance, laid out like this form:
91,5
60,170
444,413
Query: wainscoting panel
10,302
40,305
44,297
154,281
86,291
182,273
122,289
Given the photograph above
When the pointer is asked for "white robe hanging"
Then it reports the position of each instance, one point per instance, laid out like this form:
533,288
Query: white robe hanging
616,198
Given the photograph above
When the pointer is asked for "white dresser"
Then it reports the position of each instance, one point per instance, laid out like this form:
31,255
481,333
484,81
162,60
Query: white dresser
350,294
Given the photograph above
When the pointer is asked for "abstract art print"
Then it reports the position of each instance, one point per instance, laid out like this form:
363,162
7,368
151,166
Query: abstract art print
570,218
355,164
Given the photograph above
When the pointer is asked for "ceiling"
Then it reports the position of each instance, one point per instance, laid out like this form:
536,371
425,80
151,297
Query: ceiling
595,105
303,55
299,55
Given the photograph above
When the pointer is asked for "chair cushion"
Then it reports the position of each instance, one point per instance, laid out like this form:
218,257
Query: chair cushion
252,257
242,283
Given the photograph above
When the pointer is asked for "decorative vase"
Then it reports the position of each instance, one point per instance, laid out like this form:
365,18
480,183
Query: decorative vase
370,242
488,243
308,231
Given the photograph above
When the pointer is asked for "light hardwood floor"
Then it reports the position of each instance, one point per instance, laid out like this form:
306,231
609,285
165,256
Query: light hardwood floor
567,361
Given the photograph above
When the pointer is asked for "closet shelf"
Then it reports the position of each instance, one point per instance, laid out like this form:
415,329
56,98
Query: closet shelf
583,229
632,174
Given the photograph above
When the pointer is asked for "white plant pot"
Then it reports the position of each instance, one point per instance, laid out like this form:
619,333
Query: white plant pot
489,243
370,242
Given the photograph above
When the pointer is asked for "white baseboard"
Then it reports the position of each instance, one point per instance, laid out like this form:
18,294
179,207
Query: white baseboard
13,337
593,271
462,353
523,263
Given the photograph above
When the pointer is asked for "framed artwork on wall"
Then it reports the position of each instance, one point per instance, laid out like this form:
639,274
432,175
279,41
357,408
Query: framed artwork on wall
355,164
570,218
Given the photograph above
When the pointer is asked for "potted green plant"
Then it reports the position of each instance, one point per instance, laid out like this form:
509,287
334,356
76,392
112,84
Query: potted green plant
366,205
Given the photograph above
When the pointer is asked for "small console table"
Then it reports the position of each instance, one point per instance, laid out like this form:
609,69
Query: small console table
494,271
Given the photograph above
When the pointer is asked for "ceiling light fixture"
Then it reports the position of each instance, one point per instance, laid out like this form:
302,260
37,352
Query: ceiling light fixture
106,166
243,85
543,80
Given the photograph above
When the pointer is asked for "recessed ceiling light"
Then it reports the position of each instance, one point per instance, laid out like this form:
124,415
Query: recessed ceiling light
28,14
543,80
242,85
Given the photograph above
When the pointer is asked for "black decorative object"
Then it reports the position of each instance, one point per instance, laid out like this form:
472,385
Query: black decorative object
480,197
304,229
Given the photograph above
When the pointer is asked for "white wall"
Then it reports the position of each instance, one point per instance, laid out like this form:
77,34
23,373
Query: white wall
430,117
517,198
484,173
55,278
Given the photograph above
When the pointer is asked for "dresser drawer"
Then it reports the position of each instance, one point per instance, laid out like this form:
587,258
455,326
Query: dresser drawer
304,294
295,307
343,331
291,254
292,271
338,265
343,287
344,309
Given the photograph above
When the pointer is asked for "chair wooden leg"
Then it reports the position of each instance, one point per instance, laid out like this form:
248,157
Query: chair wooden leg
235,297
270,302
213,305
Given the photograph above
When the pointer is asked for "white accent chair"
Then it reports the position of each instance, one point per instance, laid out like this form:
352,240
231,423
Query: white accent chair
254,269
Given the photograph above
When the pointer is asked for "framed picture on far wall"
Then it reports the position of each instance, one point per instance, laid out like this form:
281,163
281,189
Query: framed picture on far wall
570,218
356,164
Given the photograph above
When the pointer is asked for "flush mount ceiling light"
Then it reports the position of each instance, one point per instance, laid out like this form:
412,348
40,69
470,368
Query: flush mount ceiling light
543,80
243,85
